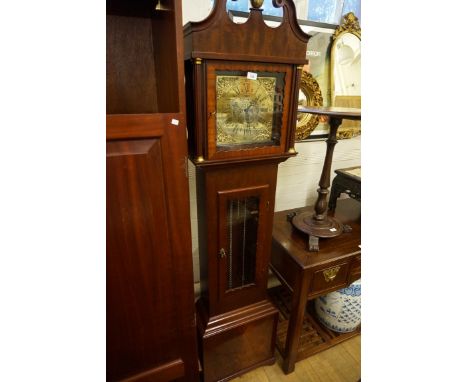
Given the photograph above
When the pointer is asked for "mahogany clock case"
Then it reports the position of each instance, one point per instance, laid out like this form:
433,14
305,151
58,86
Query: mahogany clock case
216,187
236,342
215,144
242,84
236,322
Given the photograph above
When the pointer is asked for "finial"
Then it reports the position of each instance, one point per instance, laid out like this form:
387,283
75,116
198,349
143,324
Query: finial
256,3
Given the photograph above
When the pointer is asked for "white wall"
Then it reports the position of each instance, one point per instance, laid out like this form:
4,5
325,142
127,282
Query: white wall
298,177
195,10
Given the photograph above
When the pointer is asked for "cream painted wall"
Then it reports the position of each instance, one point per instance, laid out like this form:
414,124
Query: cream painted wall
195,10
298,177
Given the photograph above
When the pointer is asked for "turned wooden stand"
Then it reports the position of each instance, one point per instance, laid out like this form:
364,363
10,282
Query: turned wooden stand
318,224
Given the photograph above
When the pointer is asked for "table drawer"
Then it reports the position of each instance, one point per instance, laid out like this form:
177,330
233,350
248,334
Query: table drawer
329,279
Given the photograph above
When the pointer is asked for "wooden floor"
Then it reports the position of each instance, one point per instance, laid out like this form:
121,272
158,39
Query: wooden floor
341,363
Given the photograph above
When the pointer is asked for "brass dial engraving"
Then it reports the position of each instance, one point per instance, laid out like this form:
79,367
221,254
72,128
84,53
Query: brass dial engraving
245,109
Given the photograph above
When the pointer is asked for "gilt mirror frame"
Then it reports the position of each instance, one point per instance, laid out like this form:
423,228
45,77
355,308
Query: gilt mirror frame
306,123
350,24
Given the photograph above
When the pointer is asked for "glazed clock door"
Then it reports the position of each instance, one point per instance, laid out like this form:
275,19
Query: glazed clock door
242,215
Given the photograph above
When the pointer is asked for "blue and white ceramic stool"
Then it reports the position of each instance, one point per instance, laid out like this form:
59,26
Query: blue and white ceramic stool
340,311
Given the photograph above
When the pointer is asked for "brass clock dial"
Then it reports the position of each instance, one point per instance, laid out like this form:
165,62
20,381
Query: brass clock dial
246,108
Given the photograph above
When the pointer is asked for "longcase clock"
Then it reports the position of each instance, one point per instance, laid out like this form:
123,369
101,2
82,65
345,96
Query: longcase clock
242,83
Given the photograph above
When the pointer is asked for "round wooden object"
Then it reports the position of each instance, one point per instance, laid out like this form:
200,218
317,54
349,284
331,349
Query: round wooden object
305,222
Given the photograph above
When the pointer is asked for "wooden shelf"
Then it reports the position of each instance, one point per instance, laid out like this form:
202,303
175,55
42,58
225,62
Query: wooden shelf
314,336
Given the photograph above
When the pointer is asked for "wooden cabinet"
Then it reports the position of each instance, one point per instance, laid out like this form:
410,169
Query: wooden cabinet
151,333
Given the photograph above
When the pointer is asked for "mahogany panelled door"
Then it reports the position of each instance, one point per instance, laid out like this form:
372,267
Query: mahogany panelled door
151,329
242,84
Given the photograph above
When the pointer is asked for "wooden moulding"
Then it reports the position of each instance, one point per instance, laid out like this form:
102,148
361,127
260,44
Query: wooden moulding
252,40
243,161
166,372
123,126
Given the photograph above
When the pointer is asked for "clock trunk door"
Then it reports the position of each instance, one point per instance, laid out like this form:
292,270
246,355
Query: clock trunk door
241,256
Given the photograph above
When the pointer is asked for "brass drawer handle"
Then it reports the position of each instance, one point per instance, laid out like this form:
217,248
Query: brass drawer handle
222,253
330,274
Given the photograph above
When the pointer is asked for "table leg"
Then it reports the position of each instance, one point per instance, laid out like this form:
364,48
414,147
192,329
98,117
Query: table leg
335,192
295,322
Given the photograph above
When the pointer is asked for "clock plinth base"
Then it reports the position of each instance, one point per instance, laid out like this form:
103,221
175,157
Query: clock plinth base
326,228
233,343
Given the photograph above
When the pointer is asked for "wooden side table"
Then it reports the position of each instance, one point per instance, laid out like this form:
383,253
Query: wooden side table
347,180
307,275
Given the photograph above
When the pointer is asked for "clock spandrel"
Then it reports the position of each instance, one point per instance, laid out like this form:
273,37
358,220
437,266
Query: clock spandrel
248,111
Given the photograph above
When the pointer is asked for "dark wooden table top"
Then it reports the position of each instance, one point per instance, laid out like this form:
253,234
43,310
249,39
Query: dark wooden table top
333,111
295,243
